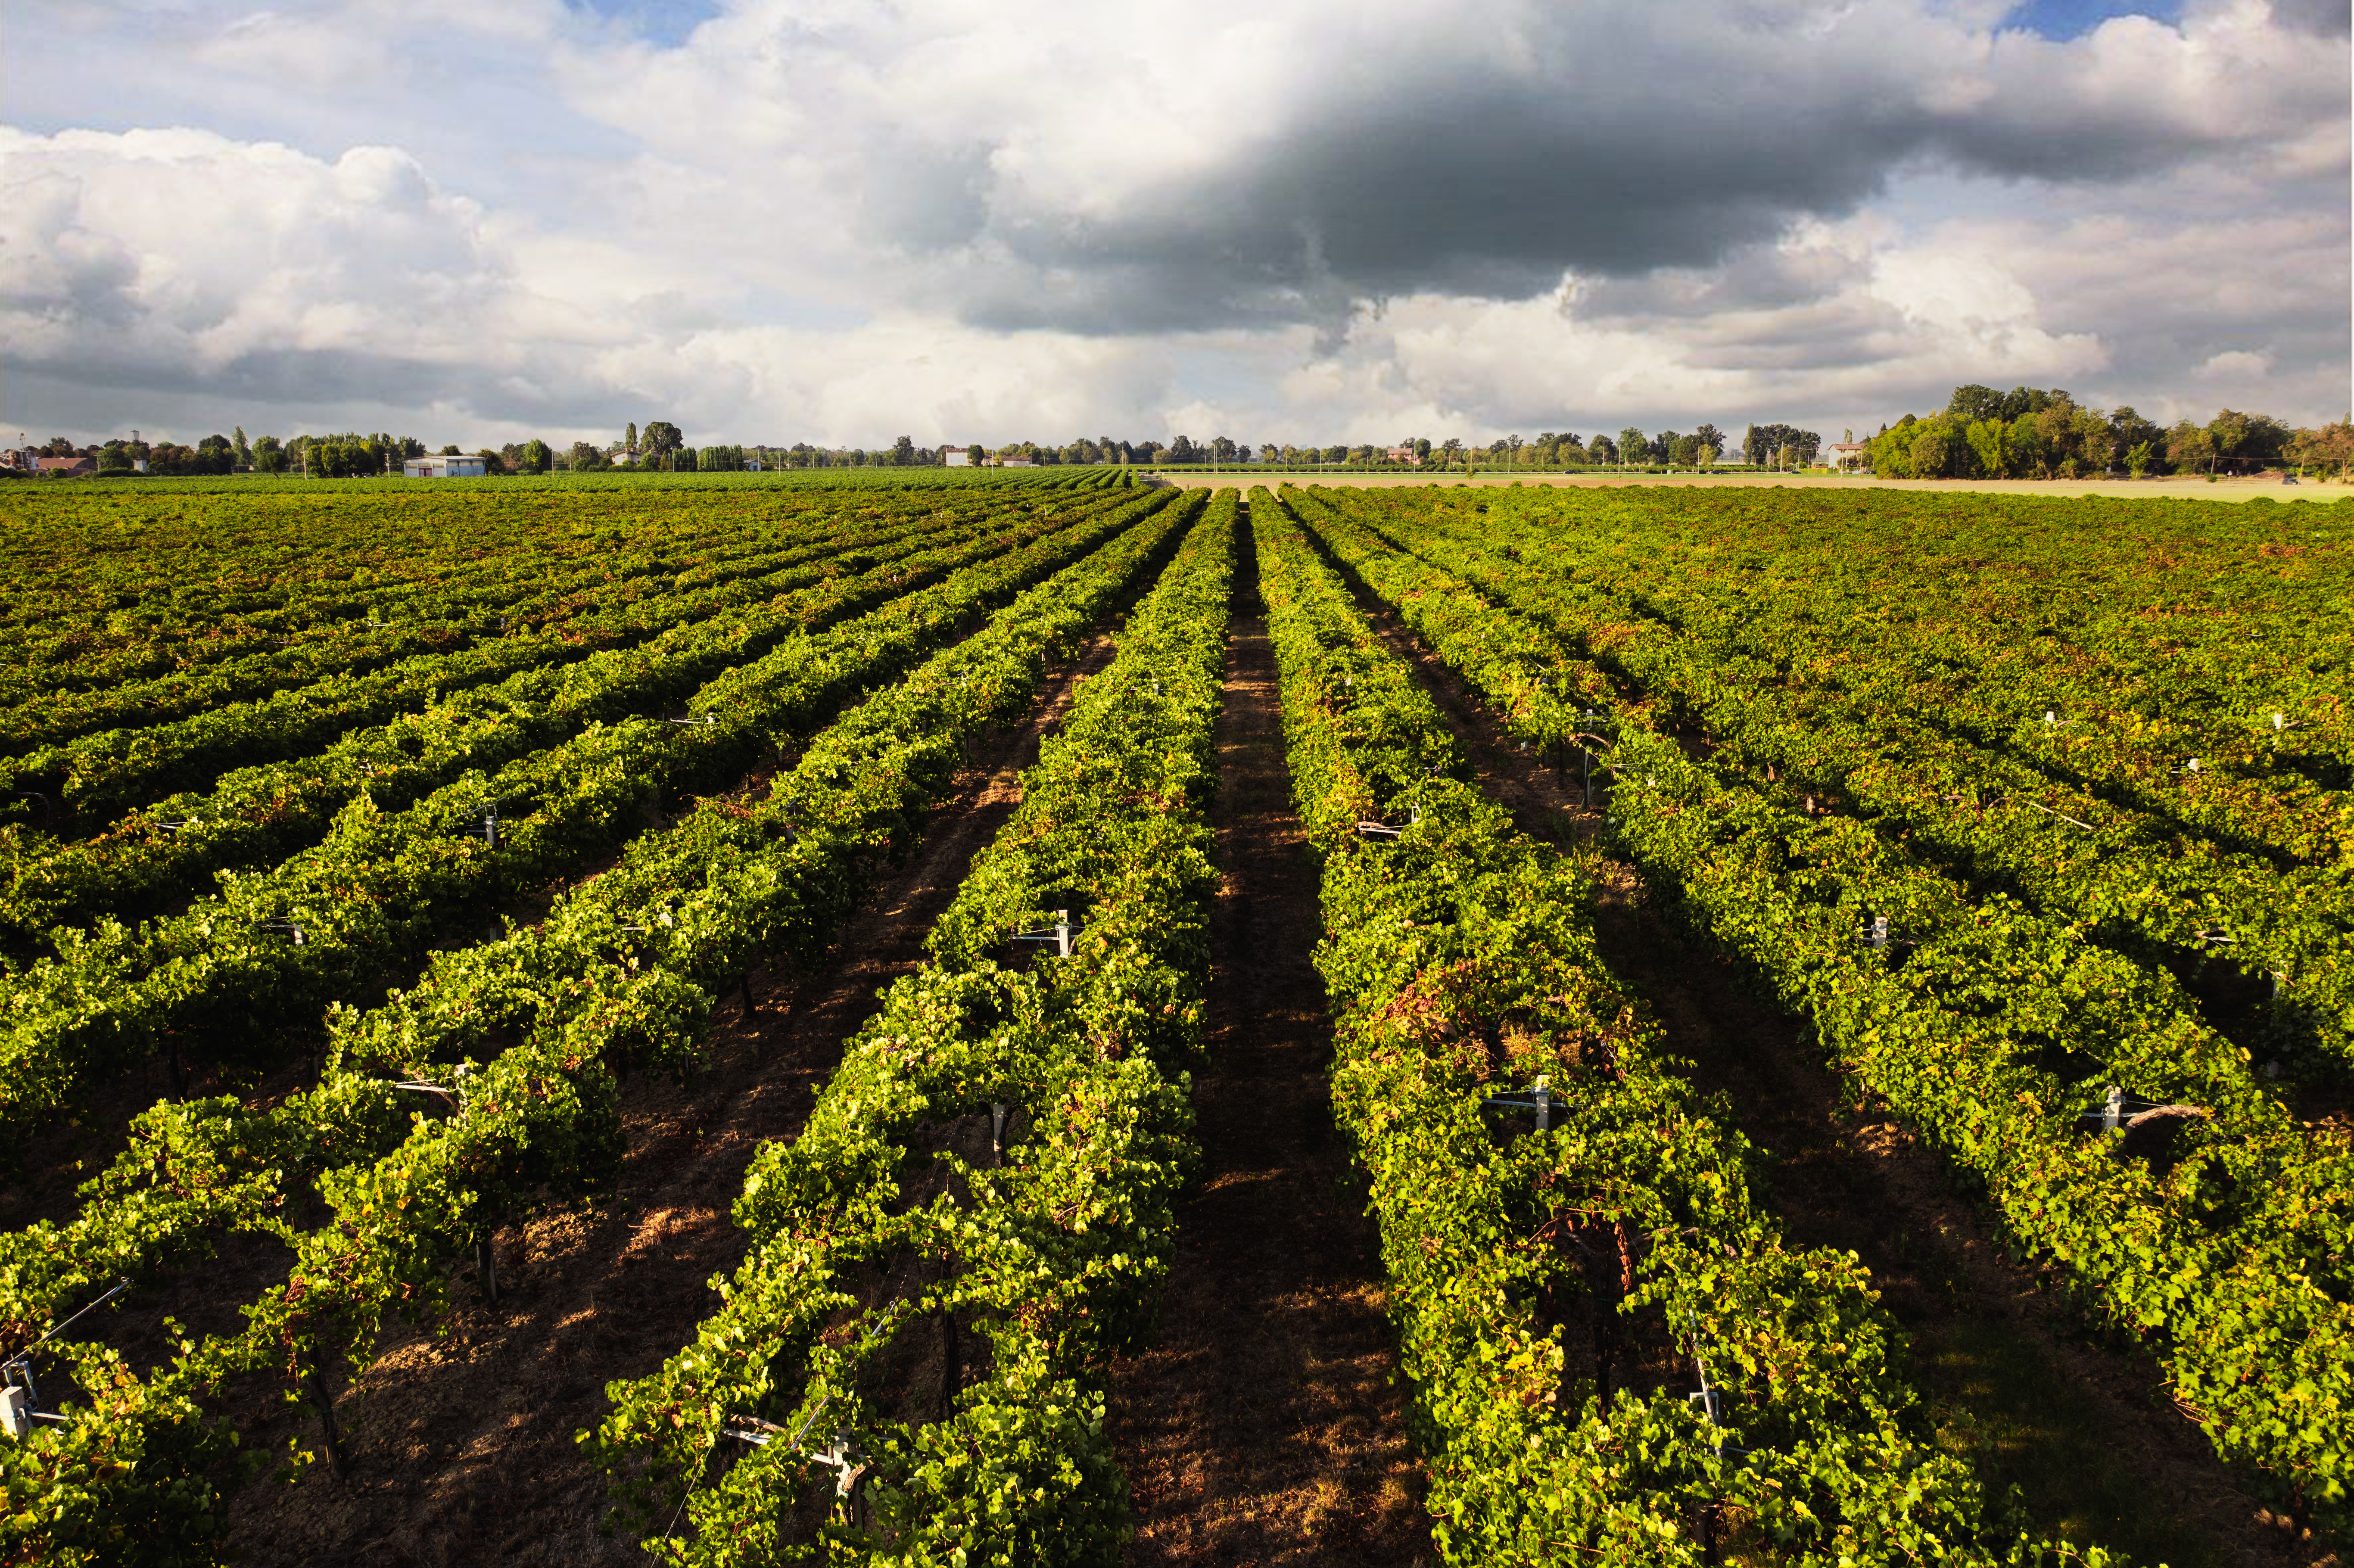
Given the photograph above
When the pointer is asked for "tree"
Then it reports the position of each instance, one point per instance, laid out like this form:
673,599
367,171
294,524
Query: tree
2330,444
2093,443
1764,445
536,457
1634,447
1974,403
269,456
630,441
2188,446
2128,429
1709,436
1421,445
113,458
1602,450
2251,440
2030,446
1931,451
1989,443
662,438
244,453
2140,458
903,453
586,458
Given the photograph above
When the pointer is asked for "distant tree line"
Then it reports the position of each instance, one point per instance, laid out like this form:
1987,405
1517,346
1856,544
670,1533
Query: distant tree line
2032,432
2025,433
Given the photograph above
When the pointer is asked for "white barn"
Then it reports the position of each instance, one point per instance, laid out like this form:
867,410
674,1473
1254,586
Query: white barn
443,468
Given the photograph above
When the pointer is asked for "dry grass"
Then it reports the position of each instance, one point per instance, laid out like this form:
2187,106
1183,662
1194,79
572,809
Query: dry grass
2138,490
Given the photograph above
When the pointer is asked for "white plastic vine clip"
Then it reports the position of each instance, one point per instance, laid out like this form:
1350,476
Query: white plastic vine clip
2112,1110
698,721
20,1401
1710,1402
842,1459
1877,933
1539,1099
21,1398
1059,933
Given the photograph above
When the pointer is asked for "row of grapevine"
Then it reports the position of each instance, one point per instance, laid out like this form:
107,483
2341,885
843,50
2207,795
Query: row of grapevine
621,972
97,776
152,604
1992,1031
1831,725
138,632
1613,1356
908,1366
2153,635
428,617
345,918
259,815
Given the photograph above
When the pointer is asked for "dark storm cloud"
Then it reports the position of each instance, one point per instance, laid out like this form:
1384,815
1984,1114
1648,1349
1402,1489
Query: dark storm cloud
1693,133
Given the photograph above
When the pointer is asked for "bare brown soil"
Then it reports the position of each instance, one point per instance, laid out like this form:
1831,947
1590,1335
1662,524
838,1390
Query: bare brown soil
2234,489
2013,1376
1265,1425
461,1444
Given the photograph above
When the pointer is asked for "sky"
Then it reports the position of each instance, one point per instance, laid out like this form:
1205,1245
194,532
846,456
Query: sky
842,221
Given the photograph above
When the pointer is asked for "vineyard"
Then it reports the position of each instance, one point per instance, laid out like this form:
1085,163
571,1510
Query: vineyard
1027,1018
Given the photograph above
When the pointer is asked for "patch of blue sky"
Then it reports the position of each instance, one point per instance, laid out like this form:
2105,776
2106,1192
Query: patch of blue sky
2073,19
664,22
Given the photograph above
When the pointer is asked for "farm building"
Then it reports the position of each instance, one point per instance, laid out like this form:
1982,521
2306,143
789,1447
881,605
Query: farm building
957,456
1846,455
443,468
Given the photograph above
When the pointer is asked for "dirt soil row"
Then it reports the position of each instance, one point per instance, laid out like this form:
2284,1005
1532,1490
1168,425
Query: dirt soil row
1265,1425
2014,1377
